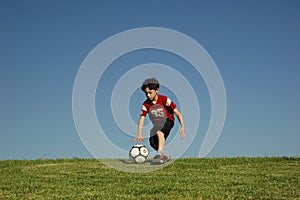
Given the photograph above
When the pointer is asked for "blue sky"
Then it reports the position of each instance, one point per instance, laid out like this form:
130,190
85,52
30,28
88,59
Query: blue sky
255,45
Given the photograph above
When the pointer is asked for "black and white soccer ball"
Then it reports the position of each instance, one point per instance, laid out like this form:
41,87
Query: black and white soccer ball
139,153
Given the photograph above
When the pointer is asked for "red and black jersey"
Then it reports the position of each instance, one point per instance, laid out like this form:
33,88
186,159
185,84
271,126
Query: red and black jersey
163,108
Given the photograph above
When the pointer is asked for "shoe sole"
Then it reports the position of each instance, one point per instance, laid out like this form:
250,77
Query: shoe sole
157,162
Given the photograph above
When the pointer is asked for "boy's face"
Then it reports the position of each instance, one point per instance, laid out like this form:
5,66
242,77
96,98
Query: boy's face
151,94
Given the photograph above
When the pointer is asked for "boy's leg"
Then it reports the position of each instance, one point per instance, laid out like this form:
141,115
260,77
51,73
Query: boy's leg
161,156
165,131
161,141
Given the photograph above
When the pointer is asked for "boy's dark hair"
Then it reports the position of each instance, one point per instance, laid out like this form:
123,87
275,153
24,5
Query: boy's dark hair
150,83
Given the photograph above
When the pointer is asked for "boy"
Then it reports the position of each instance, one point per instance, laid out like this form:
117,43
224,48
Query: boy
161,113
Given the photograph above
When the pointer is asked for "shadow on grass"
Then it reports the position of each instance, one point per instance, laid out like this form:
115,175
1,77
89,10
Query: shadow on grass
126,165
128,161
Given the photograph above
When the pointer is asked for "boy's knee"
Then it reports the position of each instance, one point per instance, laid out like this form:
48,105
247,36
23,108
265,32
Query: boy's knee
160,134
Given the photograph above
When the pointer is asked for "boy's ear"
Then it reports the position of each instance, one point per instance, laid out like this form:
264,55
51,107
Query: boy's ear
157,90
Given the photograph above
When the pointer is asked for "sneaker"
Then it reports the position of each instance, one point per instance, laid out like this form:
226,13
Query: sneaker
166,158
158,160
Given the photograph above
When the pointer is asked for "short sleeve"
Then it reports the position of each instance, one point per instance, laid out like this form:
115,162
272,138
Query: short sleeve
144,110
170,104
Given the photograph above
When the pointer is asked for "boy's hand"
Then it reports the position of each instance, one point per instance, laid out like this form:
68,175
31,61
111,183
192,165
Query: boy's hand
138,138
182,133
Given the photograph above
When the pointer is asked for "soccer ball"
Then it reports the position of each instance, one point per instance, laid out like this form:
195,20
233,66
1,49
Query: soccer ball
139,153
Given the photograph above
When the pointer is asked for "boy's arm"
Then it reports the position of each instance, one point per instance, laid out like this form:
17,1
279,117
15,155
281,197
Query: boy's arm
180,118
139,136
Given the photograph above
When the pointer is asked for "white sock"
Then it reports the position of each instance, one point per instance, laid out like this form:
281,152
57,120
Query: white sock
160,152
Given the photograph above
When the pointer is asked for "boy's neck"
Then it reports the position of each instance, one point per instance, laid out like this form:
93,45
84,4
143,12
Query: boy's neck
155,99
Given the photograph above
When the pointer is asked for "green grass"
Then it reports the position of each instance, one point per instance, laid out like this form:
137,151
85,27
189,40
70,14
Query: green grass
217,178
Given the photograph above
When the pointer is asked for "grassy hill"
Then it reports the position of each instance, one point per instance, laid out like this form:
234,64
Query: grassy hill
210,178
